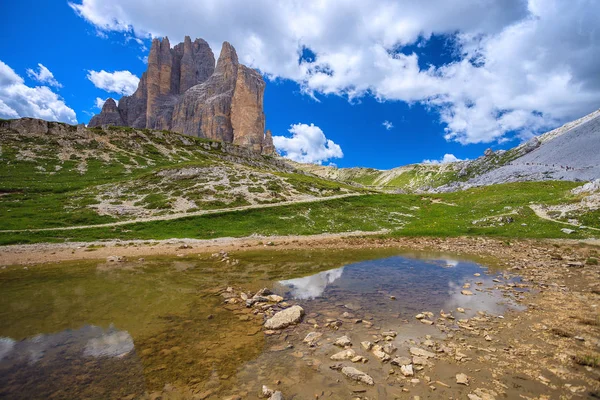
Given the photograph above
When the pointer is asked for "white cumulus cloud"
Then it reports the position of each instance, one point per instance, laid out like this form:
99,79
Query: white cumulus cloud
521,66
448,158
19,100
121,82
43,75
387,125
308,144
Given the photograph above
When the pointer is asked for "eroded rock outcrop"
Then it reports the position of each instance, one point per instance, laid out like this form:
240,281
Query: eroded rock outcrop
268,146
185,92
109,115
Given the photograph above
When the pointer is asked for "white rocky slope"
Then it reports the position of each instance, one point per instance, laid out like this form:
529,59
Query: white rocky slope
571,153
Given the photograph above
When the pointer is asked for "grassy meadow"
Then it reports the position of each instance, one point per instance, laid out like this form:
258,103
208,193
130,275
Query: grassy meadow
499,210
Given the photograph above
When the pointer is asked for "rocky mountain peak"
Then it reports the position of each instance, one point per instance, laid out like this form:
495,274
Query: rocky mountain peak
228,56
109,116
110,105
165,55
183,90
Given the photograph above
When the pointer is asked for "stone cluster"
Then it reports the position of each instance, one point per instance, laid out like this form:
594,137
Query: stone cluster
470,345
183,91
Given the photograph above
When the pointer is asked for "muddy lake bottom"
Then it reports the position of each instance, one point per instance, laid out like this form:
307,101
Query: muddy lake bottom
159,328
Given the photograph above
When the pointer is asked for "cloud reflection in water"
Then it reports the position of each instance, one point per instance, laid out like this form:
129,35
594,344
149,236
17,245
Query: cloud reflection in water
310,287
110,344
89,341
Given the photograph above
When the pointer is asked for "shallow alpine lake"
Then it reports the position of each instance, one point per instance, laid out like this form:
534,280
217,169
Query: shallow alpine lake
159,327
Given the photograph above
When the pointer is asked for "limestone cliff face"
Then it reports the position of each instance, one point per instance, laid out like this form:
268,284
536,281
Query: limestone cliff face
207,107
183,91
247,116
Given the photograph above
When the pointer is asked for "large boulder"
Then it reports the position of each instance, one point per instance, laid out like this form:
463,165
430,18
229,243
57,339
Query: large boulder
285,318
531,144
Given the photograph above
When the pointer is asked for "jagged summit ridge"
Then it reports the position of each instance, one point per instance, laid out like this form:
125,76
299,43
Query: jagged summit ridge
184,91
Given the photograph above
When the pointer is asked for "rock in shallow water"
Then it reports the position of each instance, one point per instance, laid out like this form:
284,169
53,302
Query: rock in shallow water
407,370
462,379
276,396
389,348
357,375
275,298
380,354
343,341
312,338
271,394
400,361
285,318
344,355
415,351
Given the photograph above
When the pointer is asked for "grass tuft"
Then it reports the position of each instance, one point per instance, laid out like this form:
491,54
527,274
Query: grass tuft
588,360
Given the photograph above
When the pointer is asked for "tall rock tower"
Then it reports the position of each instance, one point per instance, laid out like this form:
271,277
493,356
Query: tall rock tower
183,91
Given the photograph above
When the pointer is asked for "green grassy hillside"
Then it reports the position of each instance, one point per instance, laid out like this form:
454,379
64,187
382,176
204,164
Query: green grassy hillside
499,210
53,174
409,178
59,176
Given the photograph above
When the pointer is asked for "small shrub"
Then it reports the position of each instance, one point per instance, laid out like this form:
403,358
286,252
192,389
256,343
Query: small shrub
588,360
590,321
561,332
256,189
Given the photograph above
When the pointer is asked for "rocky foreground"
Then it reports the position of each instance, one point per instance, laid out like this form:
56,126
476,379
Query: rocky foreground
549,350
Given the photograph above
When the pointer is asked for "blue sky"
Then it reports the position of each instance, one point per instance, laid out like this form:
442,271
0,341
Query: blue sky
451,79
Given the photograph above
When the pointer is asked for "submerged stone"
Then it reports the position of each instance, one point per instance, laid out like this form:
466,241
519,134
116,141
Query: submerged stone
312,338
357,375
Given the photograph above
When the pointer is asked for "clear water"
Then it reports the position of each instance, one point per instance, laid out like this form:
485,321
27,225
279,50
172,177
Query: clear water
417,285
106,330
